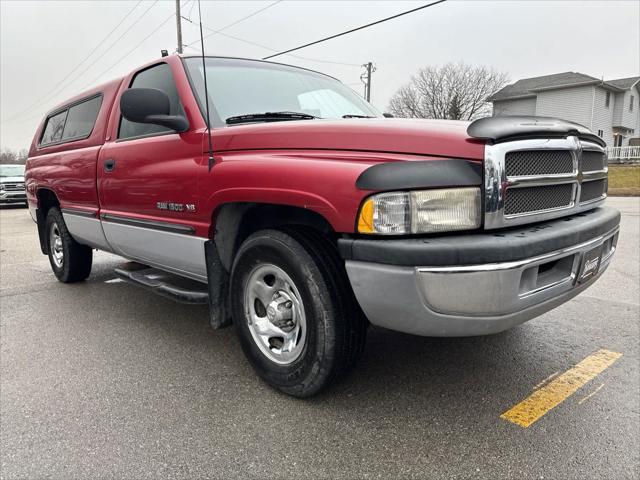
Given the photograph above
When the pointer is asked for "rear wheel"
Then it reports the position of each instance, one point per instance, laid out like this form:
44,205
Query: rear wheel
70,261
294,312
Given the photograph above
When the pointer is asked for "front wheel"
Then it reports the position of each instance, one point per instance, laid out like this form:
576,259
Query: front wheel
297,319
70,261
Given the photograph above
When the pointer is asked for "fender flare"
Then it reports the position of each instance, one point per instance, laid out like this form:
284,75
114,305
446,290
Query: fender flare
41,217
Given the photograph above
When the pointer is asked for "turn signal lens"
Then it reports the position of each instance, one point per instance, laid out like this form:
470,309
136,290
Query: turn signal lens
386,213
421,211
365,222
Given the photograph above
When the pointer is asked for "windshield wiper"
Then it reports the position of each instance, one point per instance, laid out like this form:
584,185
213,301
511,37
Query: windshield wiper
269,117
357,116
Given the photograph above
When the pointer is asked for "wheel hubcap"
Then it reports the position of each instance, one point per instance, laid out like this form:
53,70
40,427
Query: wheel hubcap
274,313
55,246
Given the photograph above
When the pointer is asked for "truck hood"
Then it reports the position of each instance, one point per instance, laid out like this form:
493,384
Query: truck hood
437,138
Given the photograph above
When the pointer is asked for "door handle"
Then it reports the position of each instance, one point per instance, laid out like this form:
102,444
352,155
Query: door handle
109,165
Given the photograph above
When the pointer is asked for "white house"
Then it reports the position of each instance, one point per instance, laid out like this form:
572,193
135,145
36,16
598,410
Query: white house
610,108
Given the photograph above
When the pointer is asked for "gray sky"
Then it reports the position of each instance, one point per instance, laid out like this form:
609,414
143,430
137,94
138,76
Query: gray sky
41,42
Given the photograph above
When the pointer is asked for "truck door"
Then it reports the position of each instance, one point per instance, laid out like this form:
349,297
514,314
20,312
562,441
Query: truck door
147,185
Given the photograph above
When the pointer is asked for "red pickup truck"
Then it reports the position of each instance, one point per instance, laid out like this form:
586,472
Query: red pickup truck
315,215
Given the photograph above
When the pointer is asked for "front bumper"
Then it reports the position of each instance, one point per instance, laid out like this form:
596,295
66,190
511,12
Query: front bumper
13,197
478,284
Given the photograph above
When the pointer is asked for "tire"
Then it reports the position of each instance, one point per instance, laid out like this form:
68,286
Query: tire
329,329
70,261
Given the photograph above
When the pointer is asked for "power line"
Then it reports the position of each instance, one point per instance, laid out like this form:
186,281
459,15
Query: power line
60,90
234,23
193,4
125,32
47,95
249,42
355,29
132,50
138,44
324,61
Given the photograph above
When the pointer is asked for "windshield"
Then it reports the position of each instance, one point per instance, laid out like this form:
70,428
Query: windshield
246,87
11,170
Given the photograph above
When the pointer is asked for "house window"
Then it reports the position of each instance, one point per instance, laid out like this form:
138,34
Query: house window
607,99
631,103
600,133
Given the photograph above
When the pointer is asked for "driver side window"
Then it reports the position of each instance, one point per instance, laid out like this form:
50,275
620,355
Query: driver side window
160,77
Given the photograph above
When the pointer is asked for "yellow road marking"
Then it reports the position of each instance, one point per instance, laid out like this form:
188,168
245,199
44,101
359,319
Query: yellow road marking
590,395
546,398
546,380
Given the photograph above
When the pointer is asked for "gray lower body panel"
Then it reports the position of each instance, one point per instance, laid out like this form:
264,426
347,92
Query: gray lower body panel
475,299
86,230
174,252
177,253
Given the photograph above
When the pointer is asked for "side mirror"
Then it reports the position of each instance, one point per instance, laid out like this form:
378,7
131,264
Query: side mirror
388,115
150,105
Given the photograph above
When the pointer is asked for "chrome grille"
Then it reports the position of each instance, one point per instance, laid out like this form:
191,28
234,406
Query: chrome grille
533,180
13,187
538,162
593,190
593,161
538,199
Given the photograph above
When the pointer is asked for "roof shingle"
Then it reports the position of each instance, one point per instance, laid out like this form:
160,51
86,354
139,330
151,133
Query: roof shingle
624,83
528,86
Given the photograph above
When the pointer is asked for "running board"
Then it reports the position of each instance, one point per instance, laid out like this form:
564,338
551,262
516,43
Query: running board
164,284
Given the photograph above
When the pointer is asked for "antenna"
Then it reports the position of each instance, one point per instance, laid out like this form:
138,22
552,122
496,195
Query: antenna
206,91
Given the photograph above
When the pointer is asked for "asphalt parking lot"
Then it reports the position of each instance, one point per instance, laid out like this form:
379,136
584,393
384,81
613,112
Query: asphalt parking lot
105,380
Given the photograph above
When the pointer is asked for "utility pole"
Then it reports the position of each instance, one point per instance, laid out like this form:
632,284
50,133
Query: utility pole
366,79
179,26
369,67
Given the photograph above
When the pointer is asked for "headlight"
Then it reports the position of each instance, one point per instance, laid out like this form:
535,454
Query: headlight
421,211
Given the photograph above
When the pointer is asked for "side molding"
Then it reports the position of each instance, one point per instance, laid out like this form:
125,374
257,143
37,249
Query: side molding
152,224
80,213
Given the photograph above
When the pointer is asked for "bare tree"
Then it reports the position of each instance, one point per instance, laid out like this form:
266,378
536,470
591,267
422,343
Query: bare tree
11,156
453,91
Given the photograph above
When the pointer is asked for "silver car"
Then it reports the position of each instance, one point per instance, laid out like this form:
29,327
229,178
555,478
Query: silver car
12,184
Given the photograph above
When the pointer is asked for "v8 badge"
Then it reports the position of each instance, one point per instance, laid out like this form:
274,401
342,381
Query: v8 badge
176,207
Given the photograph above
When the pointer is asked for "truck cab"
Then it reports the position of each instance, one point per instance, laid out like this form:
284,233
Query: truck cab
301,215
